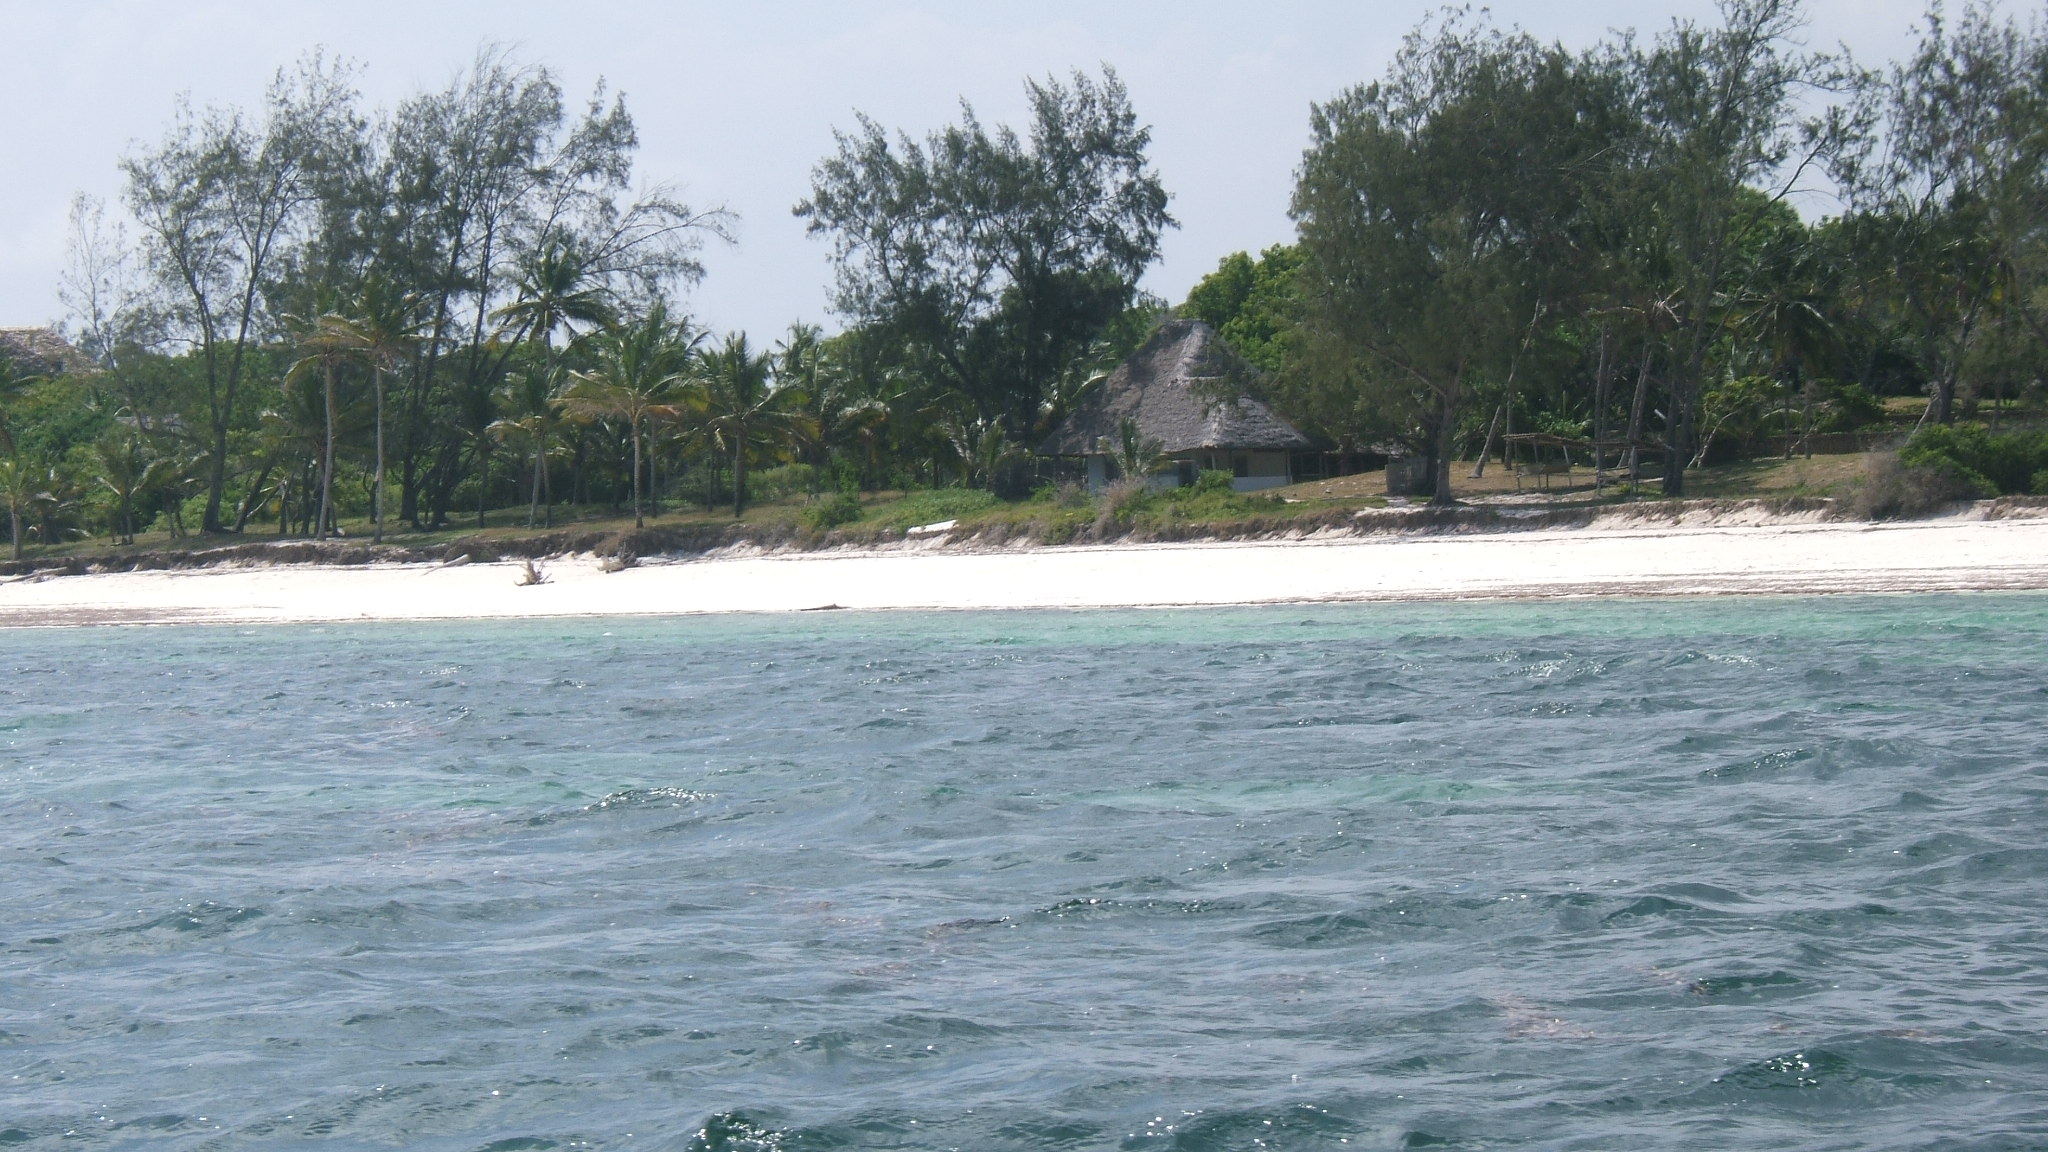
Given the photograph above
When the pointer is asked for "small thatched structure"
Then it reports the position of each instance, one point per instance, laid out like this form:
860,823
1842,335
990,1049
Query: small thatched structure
41,352
1184,391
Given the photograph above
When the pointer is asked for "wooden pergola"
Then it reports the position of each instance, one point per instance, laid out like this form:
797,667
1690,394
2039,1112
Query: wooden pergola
1597,450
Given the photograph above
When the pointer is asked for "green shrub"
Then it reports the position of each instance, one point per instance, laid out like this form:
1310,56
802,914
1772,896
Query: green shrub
2040,484
1212,497
934,505
1991,465
824,515
778,483
1851,408
1061,494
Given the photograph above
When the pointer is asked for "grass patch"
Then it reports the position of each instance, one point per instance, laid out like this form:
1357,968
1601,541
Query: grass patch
931,507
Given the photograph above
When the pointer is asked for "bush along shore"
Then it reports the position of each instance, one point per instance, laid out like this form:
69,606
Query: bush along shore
1001,526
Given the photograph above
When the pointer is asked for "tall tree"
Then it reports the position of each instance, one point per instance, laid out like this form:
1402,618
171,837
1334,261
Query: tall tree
221,202
1254,304
1427,205
1952,187
1720,108
483,187
988,260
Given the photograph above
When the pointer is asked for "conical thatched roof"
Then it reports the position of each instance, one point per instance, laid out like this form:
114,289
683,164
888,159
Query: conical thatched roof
1166,387
41,352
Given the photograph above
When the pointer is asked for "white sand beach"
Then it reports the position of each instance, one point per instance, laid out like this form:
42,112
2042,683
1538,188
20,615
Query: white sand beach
1661,560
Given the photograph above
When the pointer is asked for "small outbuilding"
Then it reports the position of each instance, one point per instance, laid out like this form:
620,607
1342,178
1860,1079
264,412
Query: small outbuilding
1187,395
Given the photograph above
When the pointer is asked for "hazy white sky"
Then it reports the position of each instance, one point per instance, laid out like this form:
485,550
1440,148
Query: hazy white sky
736,102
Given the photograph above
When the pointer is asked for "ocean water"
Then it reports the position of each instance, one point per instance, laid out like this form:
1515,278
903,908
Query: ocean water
1668,875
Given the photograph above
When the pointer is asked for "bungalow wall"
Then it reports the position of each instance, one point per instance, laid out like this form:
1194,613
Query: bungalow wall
1249,471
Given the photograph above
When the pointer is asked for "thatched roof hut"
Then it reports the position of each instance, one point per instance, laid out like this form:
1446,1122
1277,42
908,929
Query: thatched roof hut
41,352
1177,391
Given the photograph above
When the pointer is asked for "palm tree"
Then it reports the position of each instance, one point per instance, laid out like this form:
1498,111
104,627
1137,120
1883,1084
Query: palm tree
383,327
530,397
123,472
556,291
290,433
325,342
834,413
638,368
736,407
174,480
1788,317
18,491
19,483
48,493
980,447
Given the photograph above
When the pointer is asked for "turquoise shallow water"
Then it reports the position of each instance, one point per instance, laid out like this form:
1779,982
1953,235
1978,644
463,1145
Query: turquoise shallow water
1732,873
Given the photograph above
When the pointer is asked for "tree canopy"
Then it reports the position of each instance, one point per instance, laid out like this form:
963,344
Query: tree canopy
988,262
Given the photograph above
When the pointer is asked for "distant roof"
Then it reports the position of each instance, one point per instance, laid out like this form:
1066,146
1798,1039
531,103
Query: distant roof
41,352
1167,388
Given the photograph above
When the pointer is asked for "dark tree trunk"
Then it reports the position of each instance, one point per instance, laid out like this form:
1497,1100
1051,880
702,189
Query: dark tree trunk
1446,433
637,522
253,500
1676,441
739,476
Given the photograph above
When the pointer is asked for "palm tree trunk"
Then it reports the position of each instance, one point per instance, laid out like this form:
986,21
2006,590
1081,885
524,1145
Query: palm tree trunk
377,533
533,506
1787,421
739,473
1635,422
14,528
637,523
327,460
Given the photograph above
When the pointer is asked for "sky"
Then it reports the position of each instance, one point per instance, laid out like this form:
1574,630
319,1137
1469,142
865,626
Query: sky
736,102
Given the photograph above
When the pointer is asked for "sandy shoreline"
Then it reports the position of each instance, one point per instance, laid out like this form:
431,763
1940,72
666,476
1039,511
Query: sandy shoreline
1924,556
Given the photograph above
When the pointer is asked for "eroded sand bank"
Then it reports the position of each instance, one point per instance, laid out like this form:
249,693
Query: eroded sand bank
1950,555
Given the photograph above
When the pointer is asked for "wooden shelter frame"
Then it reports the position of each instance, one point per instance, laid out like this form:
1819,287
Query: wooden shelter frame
1628,458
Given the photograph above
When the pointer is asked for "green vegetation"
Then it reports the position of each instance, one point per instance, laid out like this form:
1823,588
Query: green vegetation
1982,463
341,320
1252,303
1501,235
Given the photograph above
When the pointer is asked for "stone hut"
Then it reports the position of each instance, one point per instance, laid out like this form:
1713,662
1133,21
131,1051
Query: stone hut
1177,391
